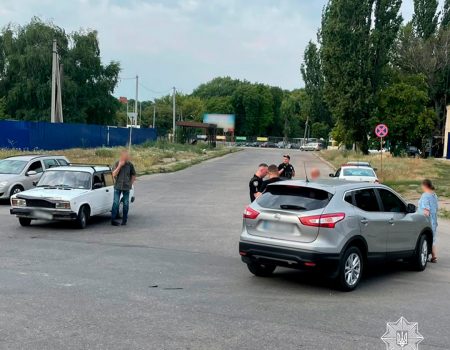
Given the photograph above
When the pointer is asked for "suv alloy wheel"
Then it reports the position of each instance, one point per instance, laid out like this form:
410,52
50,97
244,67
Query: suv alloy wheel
420,258
350,269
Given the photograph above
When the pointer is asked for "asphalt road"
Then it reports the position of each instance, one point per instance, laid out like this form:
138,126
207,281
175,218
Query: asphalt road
173,279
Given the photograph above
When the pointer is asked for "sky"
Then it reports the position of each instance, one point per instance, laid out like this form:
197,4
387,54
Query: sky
184,43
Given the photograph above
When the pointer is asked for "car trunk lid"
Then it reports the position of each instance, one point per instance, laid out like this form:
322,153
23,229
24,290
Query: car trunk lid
277,213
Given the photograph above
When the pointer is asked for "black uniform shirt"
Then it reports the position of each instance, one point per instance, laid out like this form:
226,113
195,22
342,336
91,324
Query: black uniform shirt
288,170
255,185
268,182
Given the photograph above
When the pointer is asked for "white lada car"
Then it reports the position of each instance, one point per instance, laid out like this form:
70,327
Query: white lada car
74,193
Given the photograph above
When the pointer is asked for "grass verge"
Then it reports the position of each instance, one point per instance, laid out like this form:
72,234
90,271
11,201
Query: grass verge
149,158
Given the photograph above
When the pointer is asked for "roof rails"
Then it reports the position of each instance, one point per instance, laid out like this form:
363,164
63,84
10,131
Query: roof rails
90,165
34,156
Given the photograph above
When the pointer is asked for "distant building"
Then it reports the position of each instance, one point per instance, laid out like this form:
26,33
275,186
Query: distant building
123,100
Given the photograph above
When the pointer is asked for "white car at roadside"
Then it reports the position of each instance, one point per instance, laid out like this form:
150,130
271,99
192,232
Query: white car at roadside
73,193
356,173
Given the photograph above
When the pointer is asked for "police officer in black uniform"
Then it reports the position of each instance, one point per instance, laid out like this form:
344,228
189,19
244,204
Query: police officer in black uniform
256,181
285,169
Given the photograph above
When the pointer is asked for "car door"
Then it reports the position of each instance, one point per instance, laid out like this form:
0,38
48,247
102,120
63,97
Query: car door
373,222
100,193
29,179
402,233
109,190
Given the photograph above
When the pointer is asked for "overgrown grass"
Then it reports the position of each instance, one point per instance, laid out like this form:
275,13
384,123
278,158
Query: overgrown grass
150,158
402,174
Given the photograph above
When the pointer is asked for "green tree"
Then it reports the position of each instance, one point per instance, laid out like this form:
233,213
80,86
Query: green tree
3,114
356,42
192,107
311,70
445,22
25,74
425,18
403,106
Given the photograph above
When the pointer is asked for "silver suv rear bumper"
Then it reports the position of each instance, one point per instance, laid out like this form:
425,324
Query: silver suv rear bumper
291,258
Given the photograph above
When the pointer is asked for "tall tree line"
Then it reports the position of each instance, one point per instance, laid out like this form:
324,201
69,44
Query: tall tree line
368,66
260,110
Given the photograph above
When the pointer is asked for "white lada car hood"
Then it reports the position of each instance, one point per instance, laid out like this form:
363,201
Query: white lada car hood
58,194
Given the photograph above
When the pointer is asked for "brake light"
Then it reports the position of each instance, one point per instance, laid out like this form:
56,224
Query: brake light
324,220
250,213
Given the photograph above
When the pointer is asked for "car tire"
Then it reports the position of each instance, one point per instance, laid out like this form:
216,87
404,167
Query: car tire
350,269
261,270
420,258
83,217
15,190
24,222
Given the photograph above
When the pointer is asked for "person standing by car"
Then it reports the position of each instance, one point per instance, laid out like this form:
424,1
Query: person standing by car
428,205
273,177
125,175
285,169
256,181
315,174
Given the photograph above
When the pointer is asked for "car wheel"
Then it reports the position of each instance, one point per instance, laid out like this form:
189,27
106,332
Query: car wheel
261,270
420,258
350,269
15,190
24,222
83,216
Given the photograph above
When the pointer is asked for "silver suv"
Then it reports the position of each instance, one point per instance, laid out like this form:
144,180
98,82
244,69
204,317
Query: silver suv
333,226
19,173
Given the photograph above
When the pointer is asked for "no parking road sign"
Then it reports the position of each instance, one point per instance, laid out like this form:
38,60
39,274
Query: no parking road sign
381,130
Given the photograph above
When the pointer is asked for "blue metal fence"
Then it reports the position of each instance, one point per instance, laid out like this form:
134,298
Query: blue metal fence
49,136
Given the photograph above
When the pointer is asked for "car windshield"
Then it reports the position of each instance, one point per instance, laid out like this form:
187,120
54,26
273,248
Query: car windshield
11,166
66,179
294,198
359,172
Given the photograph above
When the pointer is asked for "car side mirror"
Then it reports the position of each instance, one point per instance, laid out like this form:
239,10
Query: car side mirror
35,183
375,169
331,175
411,208
31,173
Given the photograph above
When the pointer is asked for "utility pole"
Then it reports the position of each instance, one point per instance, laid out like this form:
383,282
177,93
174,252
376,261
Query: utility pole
154,114
136,101
53,103
56,114
174,113
306,131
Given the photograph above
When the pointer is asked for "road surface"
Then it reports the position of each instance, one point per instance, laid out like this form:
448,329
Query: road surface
173,279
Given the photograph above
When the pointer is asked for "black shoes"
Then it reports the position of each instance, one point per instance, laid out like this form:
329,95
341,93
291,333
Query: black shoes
116,223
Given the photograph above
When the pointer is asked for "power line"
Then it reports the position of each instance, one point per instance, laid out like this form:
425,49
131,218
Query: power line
154,91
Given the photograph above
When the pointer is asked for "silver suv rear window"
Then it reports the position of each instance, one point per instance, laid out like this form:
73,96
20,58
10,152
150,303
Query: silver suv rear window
294,198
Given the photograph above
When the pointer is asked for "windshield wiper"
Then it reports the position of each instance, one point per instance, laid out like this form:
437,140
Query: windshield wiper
292,207
64,186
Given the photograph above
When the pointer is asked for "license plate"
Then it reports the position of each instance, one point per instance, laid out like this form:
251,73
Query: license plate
42,215
277,227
